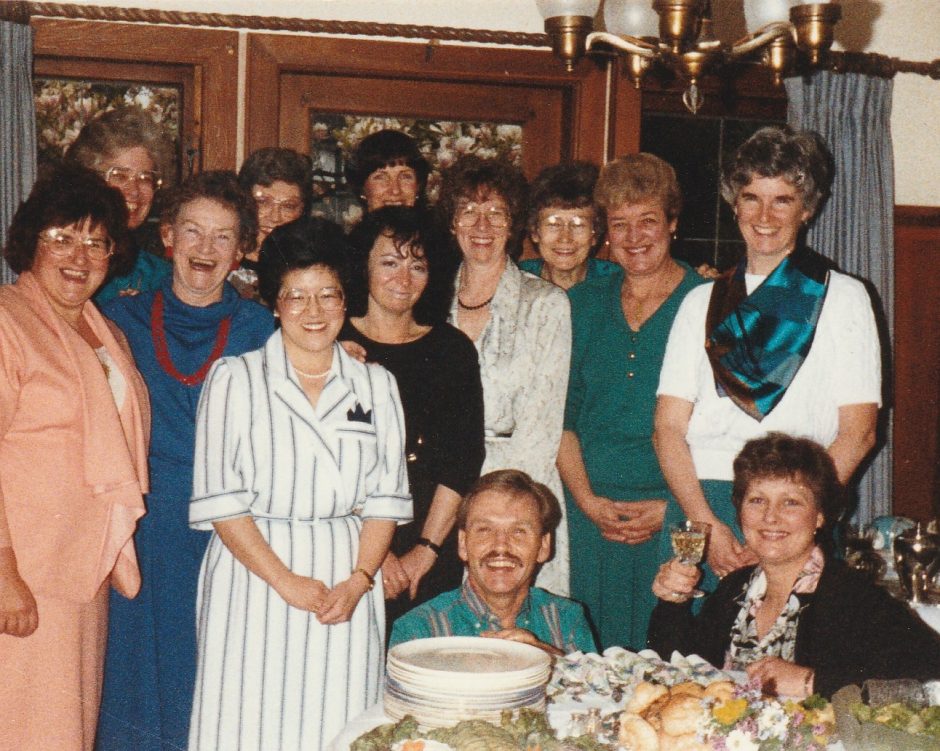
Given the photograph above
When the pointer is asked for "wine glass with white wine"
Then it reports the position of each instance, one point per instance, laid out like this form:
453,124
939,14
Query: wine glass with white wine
688,543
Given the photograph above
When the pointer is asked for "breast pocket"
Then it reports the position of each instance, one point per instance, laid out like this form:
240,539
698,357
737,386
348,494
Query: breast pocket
358,446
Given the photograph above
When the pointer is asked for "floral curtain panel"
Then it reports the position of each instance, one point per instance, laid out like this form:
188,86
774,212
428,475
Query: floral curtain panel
17,125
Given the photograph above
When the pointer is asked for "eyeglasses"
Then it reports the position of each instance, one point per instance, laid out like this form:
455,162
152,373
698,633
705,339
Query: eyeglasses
469,214
122,177
62,242
297,300
578,226
269,203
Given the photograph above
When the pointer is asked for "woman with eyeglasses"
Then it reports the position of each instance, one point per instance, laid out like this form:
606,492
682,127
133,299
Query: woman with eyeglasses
280,180
134,155
74,423
399,293
521,327
176,333
565,226
300,474
615,493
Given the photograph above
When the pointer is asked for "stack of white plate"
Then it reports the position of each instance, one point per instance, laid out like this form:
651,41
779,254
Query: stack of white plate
447,679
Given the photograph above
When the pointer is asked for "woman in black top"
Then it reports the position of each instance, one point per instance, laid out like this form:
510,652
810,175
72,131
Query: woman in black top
397,303
800,621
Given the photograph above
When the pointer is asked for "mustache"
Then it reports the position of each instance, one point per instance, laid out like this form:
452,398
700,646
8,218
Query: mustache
501,557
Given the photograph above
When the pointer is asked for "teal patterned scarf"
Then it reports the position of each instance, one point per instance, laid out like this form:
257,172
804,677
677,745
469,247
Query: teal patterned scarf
756,343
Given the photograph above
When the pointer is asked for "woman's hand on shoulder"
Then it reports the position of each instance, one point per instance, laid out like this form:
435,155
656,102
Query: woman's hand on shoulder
725,552
341,601
355,350
303,593
19,615
781,677
394,576
643,519
675,581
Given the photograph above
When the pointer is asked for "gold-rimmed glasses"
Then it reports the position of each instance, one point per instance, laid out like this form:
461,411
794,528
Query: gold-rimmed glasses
63,242
469,214
578,226
330,299
291,206
122,177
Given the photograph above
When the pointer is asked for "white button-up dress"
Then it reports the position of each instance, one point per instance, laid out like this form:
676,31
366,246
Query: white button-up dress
270,676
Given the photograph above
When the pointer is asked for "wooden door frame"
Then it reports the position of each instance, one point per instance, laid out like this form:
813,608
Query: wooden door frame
270,55
210,54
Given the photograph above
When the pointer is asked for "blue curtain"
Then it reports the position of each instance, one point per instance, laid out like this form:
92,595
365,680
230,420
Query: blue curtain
17,126
852,112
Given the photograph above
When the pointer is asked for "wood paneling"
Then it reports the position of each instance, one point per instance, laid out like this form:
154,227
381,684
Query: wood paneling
563,115
917,362
203,61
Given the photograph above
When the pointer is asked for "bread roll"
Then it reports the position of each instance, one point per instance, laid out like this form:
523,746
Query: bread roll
643,696
637,734
681,715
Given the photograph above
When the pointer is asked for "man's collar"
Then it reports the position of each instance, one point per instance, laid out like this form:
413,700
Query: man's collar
485,616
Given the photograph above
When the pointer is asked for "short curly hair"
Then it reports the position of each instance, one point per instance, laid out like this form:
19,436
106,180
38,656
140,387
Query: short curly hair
782,456
305,242
406,226
386,148
63,195
266,166
514,482
638,178
800,157
221,186
476,179
123,128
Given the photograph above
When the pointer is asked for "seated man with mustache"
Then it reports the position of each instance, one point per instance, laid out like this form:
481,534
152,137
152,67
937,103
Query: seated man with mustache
505,526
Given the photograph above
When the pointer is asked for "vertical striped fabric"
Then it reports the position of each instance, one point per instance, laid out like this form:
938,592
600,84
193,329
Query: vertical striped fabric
270,676
855,229
17,126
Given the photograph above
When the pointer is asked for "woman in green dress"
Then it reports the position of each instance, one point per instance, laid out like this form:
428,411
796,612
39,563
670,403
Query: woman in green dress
615,493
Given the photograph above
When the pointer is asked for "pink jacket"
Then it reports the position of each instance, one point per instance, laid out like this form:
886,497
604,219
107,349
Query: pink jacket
72,467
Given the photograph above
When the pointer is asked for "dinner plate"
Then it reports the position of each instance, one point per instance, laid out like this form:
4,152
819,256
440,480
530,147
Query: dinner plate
468,655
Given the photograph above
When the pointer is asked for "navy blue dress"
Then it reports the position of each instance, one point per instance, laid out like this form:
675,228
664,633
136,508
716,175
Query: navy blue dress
150,662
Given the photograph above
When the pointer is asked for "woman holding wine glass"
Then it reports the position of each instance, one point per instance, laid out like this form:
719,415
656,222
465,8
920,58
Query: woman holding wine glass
800,621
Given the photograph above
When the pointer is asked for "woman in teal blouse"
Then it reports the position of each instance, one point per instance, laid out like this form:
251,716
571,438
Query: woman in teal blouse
615,492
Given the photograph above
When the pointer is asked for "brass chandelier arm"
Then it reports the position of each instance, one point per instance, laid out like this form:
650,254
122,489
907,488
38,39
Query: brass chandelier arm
761,39
627,44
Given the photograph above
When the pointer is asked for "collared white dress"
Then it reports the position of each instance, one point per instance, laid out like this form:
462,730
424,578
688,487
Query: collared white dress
270,676
525,352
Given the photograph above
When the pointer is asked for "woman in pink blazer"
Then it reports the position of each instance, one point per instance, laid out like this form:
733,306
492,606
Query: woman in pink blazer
74,417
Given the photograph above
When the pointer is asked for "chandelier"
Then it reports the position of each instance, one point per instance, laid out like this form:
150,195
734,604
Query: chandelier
678,35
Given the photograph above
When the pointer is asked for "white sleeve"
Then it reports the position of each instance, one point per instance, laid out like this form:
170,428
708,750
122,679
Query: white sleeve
685,348
219,491
857,356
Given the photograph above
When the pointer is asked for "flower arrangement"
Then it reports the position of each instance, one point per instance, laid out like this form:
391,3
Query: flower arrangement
749,721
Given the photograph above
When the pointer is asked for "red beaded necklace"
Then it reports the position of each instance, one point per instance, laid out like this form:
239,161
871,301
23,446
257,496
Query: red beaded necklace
163,352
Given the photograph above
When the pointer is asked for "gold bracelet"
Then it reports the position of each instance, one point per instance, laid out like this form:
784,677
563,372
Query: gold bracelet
369,577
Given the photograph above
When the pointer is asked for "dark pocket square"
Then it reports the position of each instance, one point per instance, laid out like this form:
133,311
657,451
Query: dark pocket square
359,415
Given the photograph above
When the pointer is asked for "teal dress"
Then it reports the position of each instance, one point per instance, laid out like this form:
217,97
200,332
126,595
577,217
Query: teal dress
610,405
596,268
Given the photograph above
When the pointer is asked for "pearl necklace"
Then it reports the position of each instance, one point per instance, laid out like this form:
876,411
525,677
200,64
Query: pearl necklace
312,376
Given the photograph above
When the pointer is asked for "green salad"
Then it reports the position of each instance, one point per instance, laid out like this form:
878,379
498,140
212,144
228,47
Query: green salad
902,717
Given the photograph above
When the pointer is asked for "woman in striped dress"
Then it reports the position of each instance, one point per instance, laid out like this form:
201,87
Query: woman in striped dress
300,472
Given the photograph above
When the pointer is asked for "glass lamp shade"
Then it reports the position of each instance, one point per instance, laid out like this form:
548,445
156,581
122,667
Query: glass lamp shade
553,8
631,18
759,13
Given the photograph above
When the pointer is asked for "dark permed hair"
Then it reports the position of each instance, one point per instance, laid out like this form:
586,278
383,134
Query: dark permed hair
63,195
222,187
475,179
514,482
308,241
798,156
407,227
266,166
782,456
386,148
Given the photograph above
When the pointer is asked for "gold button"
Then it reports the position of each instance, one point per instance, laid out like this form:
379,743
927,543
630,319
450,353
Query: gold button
632,355
630,374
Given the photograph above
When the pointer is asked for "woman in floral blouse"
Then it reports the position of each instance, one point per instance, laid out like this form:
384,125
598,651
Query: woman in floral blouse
521,327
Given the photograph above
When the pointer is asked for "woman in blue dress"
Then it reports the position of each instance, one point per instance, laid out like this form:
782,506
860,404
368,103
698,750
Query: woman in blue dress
176,332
